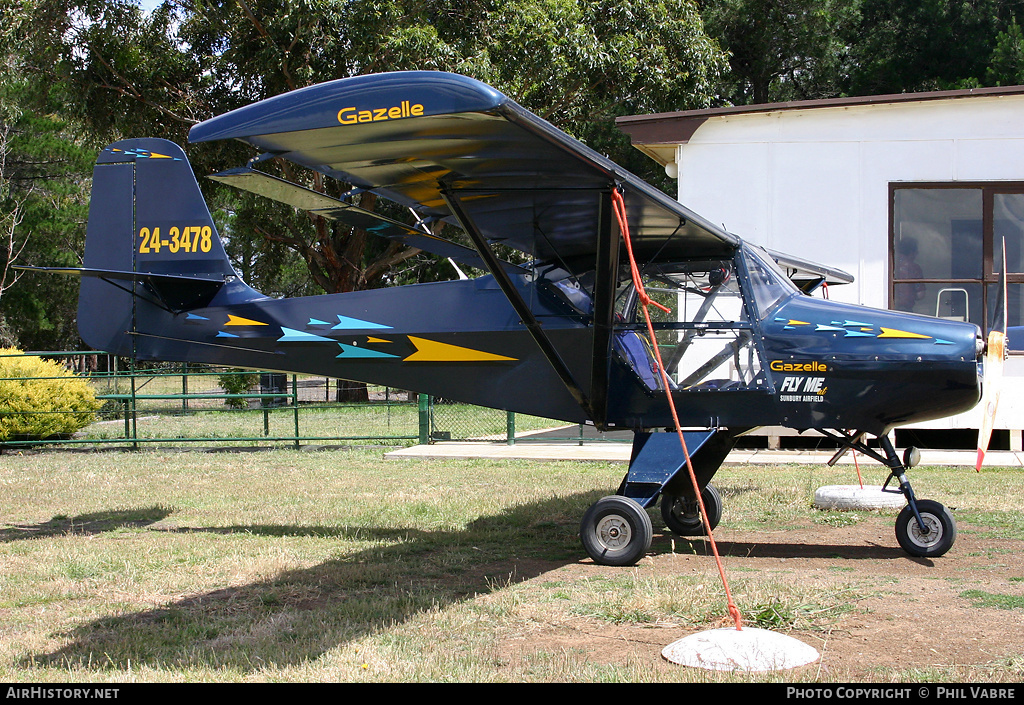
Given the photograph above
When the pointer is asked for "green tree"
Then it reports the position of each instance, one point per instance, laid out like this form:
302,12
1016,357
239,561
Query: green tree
1006,67
915,45
783,49
44,171
12,211
581,63
44,208
920,45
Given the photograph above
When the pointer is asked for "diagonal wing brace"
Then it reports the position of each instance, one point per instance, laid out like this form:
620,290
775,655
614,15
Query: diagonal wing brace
521,308
269,186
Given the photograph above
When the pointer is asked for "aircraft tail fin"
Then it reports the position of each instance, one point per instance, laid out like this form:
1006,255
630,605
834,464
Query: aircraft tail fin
151,245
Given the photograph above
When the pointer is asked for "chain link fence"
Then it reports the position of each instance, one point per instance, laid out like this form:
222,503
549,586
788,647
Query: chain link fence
182,404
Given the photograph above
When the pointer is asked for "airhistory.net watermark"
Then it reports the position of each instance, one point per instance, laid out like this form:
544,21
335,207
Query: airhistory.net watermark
56,693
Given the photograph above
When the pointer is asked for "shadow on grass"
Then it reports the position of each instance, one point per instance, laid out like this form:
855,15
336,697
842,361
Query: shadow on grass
86,524
299,615
744,549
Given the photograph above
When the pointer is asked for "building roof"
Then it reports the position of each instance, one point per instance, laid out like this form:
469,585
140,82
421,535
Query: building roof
657,135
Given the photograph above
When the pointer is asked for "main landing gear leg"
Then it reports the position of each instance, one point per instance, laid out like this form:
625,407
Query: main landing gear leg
617,530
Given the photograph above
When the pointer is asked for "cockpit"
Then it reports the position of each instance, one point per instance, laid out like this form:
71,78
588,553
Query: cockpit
707,339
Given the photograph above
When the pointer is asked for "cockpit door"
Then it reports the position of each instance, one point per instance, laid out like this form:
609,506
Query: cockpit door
710,340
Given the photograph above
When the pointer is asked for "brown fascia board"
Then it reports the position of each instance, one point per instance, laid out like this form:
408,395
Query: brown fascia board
678,127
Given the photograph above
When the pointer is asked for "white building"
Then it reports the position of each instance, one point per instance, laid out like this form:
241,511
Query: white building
910,193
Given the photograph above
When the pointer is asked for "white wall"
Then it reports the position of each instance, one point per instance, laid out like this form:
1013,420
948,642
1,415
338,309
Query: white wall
815,183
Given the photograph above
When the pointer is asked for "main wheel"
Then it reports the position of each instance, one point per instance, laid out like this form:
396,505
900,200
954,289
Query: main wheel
940,525
683,517
616,531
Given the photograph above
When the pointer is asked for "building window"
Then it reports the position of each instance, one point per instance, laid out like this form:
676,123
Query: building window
945,251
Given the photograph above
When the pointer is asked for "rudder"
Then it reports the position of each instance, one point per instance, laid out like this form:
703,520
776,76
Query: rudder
146,214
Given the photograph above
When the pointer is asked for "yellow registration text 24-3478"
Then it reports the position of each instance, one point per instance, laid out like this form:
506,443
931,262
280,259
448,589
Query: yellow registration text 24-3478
193,238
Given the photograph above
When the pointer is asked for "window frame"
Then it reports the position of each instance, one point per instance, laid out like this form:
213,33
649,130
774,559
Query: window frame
989,276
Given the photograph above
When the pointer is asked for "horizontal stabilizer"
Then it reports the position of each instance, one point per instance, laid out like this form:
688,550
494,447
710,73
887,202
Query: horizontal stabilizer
297,196
176,292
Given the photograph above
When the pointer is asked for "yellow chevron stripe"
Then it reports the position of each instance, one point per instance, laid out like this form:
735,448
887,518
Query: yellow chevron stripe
893,333
239,321
433,351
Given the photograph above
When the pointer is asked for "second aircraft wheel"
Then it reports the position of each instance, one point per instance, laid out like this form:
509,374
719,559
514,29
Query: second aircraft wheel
616,531
683,518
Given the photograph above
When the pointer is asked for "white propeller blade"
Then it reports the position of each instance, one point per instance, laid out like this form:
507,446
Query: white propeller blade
995,354
993,383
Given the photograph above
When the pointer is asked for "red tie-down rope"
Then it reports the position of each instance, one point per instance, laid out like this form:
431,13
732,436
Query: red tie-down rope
619,206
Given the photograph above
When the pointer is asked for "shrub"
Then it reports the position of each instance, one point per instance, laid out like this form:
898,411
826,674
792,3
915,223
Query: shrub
40,399
236,381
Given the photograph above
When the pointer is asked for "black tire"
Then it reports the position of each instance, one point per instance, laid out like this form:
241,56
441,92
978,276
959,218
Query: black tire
683,518
941,530
616,531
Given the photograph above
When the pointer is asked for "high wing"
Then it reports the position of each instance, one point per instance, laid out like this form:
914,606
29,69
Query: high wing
452,148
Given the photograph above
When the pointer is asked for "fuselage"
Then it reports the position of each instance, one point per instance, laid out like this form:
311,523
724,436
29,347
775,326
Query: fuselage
815,363
561,337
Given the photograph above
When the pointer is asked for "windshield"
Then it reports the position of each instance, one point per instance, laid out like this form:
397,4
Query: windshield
770,285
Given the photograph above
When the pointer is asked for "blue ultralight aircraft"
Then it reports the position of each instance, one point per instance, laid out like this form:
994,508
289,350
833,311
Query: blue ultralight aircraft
557,331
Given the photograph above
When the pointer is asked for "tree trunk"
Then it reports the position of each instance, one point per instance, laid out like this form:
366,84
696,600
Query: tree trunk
349,391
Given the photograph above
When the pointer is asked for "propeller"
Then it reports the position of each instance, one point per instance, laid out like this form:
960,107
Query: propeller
995,354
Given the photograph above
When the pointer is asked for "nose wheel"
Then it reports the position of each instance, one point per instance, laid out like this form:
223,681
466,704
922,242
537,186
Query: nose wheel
932,536
924,528
616,531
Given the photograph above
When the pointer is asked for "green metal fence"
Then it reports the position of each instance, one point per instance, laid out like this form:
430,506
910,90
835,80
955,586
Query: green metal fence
184,404
188,404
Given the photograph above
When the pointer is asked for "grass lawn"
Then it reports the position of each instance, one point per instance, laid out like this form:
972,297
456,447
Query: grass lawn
285,565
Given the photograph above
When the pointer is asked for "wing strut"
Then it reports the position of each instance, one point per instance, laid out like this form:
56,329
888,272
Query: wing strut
494,265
